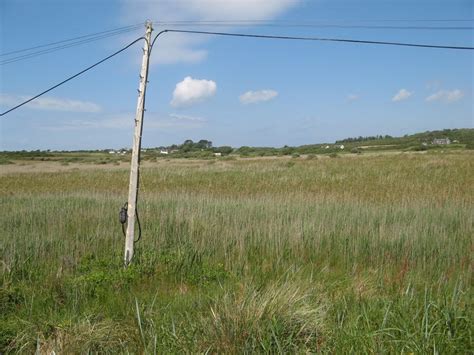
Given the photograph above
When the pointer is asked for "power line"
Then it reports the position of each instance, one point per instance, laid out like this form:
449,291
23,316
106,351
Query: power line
73,76
64,46
355,41
229,34
61,47
307,25
326,21
72,39
235,23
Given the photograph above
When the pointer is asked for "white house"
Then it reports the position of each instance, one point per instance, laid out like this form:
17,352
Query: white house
441,141
164,152
217,154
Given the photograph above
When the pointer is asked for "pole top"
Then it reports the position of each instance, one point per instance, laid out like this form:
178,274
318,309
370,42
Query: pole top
149,25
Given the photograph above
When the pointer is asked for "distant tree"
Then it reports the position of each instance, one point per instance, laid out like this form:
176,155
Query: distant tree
187,146
287,150
224,150
204,144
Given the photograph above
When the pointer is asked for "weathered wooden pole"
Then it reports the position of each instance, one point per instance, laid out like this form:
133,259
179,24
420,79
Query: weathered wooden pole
137,140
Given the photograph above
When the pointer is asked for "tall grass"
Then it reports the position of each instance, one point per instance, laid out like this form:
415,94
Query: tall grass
356,254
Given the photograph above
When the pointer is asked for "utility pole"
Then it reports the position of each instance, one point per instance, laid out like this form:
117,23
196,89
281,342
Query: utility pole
137,141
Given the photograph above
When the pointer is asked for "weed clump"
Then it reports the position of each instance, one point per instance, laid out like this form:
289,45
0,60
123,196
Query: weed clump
280,318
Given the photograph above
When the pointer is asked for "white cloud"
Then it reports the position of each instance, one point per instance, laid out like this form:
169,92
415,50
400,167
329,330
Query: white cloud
125,121
112,121
446,96
186,118
50,103
174,47
190,91
352,97
402,94
174,122
236,9
251,97
177,48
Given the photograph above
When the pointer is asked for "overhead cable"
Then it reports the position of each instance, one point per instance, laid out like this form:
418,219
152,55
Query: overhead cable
72,39
63,46
326,21
72,77
345,40
229,34
308,25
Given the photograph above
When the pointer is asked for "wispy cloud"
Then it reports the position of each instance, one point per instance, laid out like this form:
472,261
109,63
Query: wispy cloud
114,121
352,97
401,95
50,103
446,96
252,97
125,121
175,47
191,91
433,85
186,118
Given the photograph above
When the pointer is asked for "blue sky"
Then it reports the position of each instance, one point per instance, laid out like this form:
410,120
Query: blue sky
235,91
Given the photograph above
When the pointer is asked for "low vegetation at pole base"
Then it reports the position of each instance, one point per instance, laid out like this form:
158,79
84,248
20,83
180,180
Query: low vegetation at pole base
365,253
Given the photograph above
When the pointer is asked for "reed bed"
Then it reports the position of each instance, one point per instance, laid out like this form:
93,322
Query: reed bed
333,255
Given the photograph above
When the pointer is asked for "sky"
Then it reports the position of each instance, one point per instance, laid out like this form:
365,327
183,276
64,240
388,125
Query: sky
235,91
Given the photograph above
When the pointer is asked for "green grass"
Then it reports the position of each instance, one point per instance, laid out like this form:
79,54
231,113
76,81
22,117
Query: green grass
362,254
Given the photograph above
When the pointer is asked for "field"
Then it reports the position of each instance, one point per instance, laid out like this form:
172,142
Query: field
366,253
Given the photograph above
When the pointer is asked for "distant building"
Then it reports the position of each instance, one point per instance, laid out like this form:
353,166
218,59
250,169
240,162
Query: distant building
164,151
441,141
217,154
341,146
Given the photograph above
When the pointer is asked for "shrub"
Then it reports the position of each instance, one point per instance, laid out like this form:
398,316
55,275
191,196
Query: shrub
420,148
470,145
5,161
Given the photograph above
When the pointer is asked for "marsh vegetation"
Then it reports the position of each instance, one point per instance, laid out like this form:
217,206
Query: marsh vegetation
364,253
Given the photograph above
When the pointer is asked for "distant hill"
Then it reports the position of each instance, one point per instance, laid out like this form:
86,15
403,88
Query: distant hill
458,138
462,135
